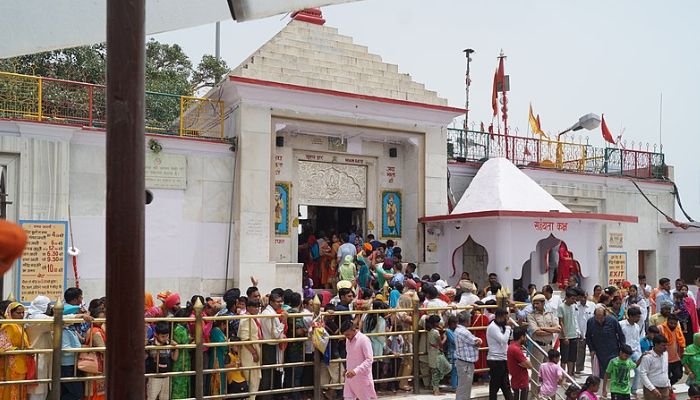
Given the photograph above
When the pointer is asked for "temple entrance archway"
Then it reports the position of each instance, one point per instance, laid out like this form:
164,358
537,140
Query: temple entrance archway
475,261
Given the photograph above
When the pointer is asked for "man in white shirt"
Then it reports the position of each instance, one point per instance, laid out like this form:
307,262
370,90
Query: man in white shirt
468,297
654,371
497,335
272,328
584,311
631,328
552,302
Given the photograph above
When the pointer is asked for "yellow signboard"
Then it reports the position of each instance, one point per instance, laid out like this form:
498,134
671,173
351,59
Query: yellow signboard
42,267
617,268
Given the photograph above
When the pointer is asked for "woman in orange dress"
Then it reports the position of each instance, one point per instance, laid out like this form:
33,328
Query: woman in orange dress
14,367
480,320
96,337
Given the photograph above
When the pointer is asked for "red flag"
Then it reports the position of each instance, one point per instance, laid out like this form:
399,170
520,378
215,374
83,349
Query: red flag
501,74
606,132
494,94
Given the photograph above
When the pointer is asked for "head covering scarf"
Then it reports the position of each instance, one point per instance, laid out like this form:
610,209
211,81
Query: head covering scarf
171,300
147,301
693,349
10,307
37,308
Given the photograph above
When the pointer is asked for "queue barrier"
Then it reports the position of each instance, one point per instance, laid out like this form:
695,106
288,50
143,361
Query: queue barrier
406,355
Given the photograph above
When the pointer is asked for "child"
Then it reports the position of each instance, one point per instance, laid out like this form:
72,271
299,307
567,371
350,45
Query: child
619,373
571,392
589,388
551,375
235,381
160,361
646,342
439,366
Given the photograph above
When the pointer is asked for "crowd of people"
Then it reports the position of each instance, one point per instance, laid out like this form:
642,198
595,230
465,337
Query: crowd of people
636,336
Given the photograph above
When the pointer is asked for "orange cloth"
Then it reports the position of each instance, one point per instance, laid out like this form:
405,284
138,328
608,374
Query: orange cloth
12,242
676,341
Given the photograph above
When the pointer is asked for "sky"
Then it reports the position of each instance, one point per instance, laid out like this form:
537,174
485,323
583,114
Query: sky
567,58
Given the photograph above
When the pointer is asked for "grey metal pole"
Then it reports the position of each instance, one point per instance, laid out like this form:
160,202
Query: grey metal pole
126,197
218,41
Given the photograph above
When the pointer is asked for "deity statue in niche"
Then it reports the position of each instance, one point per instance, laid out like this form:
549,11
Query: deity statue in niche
567,267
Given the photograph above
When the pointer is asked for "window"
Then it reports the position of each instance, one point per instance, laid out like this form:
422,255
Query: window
690,263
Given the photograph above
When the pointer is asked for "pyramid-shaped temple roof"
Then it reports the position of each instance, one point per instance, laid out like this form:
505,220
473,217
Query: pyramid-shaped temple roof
316,56
501,186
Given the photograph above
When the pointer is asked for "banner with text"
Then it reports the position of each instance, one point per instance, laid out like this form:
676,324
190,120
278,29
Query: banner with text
42,267
617,268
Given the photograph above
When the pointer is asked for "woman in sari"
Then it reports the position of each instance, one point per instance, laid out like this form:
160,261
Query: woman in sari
217,359
96,337
480,320
40,338
181,384
325,262
13,367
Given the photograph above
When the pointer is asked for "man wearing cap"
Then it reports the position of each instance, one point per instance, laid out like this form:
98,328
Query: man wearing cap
543,325
468,297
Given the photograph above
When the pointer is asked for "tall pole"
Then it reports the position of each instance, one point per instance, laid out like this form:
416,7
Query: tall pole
504,107
218,41
468,82
126,197
661,114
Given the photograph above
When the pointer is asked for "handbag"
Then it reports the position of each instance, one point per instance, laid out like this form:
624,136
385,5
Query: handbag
89,362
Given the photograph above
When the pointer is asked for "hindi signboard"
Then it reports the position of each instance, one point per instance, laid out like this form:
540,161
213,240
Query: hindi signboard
615,240
166,171
617,268
42,267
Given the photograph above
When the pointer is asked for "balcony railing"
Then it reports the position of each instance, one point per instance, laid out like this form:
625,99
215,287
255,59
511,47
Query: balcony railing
579,157
57,101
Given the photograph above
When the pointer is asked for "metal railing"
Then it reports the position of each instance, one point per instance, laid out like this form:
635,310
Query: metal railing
58,101
405,323
475,146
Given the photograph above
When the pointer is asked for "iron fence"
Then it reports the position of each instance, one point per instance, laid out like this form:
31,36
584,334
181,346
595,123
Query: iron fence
475,146
59,101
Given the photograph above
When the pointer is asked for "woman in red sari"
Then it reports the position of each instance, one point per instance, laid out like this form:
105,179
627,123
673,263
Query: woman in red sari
480,320
566,266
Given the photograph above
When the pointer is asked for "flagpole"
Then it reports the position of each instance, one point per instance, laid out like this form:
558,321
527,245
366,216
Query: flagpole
661,110
504,108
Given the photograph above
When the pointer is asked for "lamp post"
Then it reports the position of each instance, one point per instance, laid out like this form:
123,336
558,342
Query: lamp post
589,122
468,53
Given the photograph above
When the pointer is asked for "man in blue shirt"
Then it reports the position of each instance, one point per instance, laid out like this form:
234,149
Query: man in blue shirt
71,340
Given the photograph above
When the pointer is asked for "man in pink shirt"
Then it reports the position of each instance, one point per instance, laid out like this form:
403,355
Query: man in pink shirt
358,378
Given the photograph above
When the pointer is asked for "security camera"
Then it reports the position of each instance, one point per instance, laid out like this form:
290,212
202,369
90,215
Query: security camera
458,225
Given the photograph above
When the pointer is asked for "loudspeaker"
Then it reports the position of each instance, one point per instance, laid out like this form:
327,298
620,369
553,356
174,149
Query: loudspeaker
279,141
393,152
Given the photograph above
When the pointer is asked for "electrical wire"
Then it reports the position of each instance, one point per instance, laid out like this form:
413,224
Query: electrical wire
677,195
668,218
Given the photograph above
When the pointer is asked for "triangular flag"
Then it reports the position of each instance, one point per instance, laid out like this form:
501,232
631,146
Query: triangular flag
606,132
535,123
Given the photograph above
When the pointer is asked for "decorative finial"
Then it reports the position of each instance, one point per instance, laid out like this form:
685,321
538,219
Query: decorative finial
310,15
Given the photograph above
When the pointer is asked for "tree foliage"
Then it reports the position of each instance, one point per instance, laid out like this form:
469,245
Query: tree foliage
168,68
169,73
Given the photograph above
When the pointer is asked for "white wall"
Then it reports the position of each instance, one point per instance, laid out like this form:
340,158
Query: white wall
608,195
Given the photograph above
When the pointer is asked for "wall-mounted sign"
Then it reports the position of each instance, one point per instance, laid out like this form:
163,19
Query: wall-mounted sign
166,171
617,268
42,267
615,240
551,226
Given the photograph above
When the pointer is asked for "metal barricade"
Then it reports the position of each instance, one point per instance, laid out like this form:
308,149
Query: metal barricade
404,325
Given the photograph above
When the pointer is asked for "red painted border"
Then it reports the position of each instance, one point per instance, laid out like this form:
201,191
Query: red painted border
337,93
532,214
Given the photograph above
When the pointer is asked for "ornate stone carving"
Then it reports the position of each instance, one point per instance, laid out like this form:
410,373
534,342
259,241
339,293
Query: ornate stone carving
338,185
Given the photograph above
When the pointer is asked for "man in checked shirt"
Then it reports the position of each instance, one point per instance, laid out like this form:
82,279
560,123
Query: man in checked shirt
466,353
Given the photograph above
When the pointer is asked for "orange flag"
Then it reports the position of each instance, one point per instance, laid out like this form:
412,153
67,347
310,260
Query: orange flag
606,132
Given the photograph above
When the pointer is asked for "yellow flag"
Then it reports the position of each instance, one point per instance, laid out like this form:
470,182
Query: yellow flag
534,124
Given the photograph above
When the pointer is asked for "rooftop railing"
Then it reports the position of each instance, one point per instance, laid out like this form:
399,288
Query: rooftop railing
475,146
58,101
